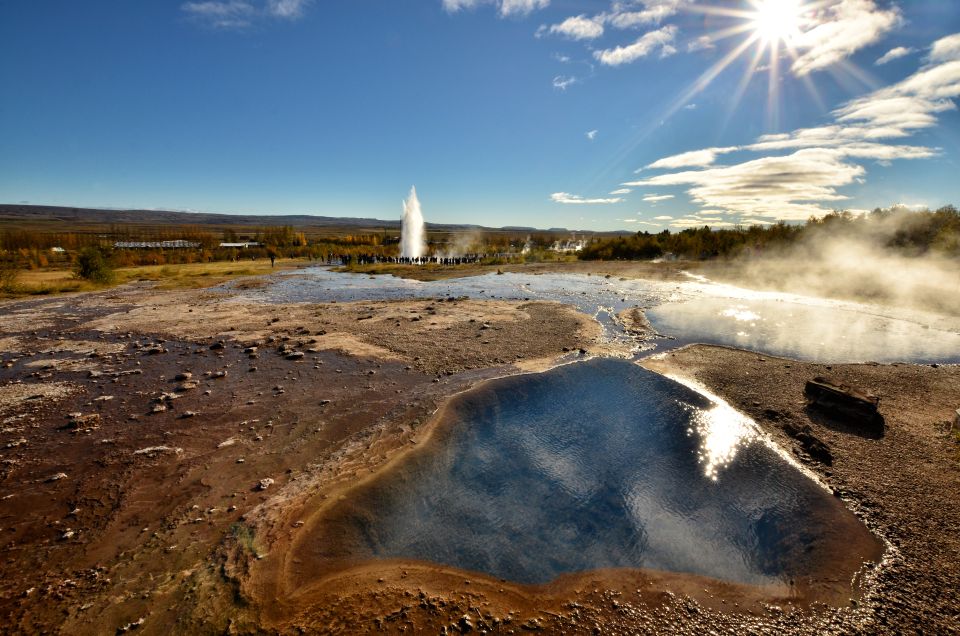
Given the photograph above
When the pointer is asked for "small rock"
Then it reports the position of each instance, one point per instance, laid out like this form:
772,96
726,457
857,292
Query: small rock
265,483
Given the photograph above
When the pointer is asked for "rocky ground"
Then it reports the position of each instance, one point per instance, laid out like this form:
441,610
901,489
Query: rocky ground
164,456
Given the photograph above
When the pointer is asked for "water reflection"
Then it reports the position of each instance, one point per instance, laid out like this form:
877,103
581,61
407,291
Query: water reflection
594,465
822,331
775,323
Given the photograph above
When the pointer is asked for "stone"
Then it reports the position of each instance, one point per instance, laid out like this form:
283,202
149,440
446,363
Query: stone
183,377
265,483
295,355
76,421
845,403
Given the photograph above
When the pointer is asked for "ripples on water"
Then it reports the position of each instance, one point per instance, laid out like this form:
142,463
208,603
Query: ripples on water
696,311
594,465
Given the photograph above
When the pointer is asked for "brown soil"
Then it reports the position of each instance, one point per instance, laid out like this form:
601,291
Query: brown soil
904,484
125,514
623,269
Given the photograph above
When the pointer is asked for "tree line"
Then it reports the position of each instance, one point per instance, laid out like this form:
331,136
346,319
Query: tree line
911,232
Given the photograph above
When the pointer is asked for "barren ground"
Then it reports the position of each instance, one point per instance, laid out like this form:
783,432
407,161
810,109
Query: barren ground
147,506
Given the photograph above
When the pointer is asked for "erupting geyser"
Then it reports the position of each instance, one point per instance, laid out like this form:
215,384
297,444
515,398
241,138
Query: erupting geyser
413,242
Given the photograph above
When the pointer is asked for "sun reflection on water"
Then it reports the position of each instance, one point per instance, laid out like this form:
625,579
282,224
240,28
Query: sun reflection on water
740,314
722,431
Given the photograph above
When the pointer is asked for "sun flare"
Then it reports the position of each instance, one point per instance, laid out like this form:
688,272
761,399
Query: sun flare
776,21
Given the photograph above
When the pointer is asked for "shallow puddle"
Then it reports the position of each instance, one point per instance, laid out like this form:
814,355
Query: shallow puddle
601,464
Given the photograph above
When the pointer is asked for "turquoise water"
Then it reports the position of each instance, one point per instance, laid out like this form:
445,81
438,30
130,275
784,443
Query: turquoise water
595,465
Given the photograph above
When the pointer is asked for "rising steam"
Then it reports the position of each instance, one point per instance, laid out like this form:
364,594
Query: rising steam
856,266
413,242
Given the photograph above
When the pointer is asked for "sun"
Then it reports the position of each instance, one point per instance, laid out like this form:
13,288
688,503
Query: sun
775,21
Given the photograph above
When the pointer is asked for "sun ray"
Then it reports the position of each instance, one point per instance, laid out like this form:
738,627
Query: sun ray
748,74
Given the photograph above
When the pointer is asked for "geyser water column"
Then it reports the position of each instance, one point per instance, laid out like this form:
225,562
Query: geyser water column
413,233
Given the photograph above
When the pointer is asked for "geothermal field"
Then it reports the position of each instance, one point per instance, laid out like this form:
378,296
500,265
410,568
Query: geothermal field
567,447
664,340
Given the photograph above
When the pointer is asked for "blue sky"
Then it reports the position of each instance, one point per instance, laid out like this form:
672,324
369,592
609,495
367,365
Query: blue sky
620,114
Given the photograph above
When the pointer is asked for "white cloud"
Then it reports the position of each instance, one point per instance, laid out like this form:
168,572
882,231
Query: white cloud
847,27
946,49
578,27
240,14
894,54
656,198
690,107
787,187
621,191
630,13
591,134
645,45
694,158
565,197
505,8
289,9
663,217
702,43
521,7
561,82
228,14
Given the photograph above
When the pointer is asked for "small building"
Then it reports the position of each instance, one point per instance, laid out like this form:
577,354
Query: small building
241,246
153,245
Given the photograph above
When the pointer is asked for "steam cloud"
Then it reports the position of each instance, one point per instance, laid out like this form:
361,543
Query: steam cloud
855,263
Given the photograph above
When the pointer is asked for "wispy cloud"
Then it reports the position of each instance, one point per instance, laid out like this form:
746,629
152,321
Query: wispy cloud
693,158
290,9
823,159
241,14
656,198
702,43
894,54
591,134
562,82
663,217
945,49
650,42
505,8
631,13
229,14
576,199
846,27
621,191
578,27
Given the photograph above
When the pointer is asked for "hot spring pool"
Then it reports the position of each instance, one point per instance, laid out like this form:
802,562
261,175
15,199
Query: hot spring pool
600,464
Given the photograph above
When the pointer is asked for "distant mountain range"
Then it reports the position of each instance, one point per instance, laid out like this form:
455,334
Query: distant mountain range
22,213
